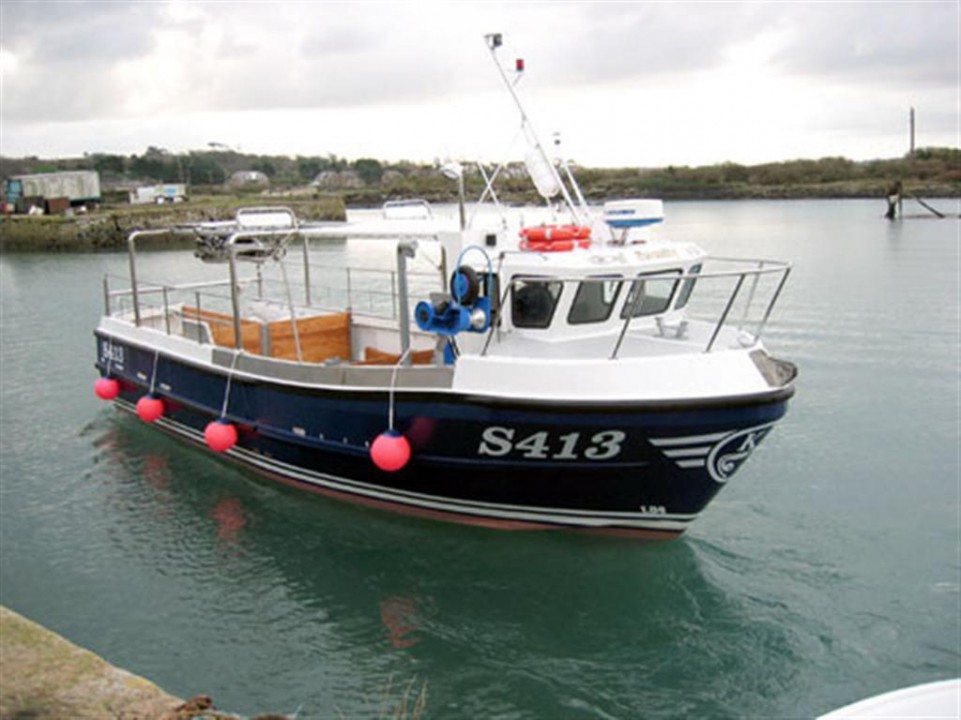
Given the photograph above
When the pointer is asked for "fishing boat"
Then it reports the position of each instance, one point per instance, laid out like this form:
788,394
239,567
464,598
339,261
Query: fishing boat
577,373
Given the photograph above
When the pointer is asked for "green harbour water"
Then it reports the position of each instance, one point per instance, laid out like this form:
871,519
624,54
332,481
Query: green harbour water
828,570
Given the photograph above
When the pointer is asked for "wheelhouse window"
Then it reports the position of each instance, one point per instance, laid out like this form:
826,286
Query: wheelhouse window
594,300
687,287
650,295
533,301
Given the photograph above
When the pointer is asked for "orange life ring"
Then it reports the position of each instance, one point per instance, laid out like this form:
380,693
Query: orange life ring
555,238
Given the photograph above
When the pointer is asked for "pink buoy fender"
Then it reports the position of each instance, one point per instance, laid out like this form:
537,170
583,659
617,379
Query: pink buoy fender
220,435
150,408
390,451
106,388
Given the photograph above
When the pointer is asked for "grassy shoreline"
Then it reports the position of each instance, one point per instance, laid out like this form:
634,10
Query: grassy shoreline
107,228
610,186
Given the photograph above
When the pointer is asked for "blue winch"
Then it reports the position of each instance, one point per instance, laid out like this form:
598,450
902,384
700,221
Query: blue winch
464,309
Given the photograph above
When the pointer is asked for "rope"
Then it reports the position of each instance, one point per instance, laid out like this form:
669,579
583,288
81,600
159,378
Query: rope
293,314
153,373
390,394
230,376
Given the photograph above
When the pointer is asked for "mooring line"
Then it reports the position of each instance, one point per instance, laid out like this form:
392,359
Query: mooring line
230,377
153,373
390,394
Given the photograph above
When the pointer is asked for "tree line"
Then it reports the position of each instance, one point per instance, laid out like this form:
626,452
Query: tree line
928,170
205,167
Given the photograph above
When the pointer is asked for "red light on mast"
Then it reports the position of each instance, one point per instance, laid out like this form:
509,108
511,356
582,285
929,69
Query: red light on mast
519,65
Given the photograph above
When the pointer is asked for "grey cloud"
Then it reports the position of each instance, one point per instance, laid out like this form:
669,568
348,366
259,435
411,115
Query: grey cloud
328,55
880,43
339,40
314,55
45,34
612,42
364,55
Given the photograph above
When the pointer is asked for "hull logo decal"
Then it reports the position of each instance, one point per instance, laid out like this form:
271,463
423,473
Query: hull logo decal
721,454
729,454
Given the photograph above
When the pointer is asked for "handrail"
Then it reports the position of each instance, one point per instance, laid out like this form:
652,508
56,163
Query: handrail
160,287
774,299
763,268
132,257
241,228
234,250
412,203
263,242
727,309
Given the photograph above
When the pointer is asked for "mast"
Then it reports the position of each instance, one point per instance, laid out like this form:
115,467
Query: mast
494,41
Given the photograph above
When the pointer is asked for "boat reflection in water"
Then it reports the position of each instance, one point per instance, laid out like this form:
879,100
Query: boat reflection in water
312,603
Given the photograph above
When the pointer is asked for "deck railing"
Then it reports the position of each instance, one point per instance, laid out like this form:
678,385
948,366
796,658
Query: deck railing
184,308
718,292
373,292
709,300
746,303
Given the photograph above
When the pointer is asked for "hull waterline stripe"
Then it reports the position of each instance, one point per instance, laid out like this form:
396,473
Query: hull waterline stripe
474,520
558,516
555,516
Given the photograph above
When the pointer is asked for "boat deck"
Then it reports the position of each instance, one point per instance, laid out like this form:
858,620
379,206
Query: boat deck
650,340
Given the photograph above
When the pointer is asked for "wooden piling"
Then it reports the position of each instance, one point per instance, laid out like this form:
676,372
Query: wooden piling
894,200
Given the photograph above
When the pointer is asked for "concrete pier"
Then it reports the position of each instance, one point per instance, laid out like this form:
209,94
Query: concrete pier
42,675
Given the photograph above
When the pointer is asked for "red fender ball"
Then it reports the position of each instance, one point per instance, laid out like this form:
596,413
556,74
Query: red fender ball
390,451
149,408
106,388
220,435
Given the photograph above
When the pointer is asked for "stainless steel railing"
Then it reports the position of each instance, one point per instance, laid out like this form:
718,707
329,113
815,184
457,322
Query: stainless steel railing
757,302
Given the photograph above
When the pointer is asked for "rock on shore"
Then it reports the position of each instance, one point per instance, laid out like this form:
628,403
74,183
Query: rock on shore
44,676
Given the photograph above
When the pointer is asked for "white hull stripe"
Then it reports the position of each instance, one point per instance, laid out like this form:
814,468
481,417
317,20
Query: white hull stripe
689,440
689,452
554,516
699,451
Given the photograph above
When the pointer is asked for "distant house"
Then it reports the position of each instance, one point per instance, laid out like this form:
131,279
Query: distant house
52,192
335,179
248,178
158,194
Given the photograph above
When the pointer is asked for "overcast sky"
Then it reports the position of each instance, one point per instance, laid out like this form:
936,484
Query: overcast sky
625,83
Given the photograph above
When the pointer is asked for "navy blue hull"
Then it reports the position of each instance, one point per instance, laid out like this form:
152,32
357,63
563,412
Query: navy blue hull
648,468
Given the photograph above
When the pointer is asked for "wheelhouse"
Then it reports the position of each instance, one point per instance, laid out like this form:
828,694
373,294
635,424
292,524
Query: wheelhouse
596,292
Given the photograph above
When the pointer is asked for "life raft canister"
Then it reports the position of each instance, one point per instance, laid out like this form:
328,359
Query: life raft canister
555,238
